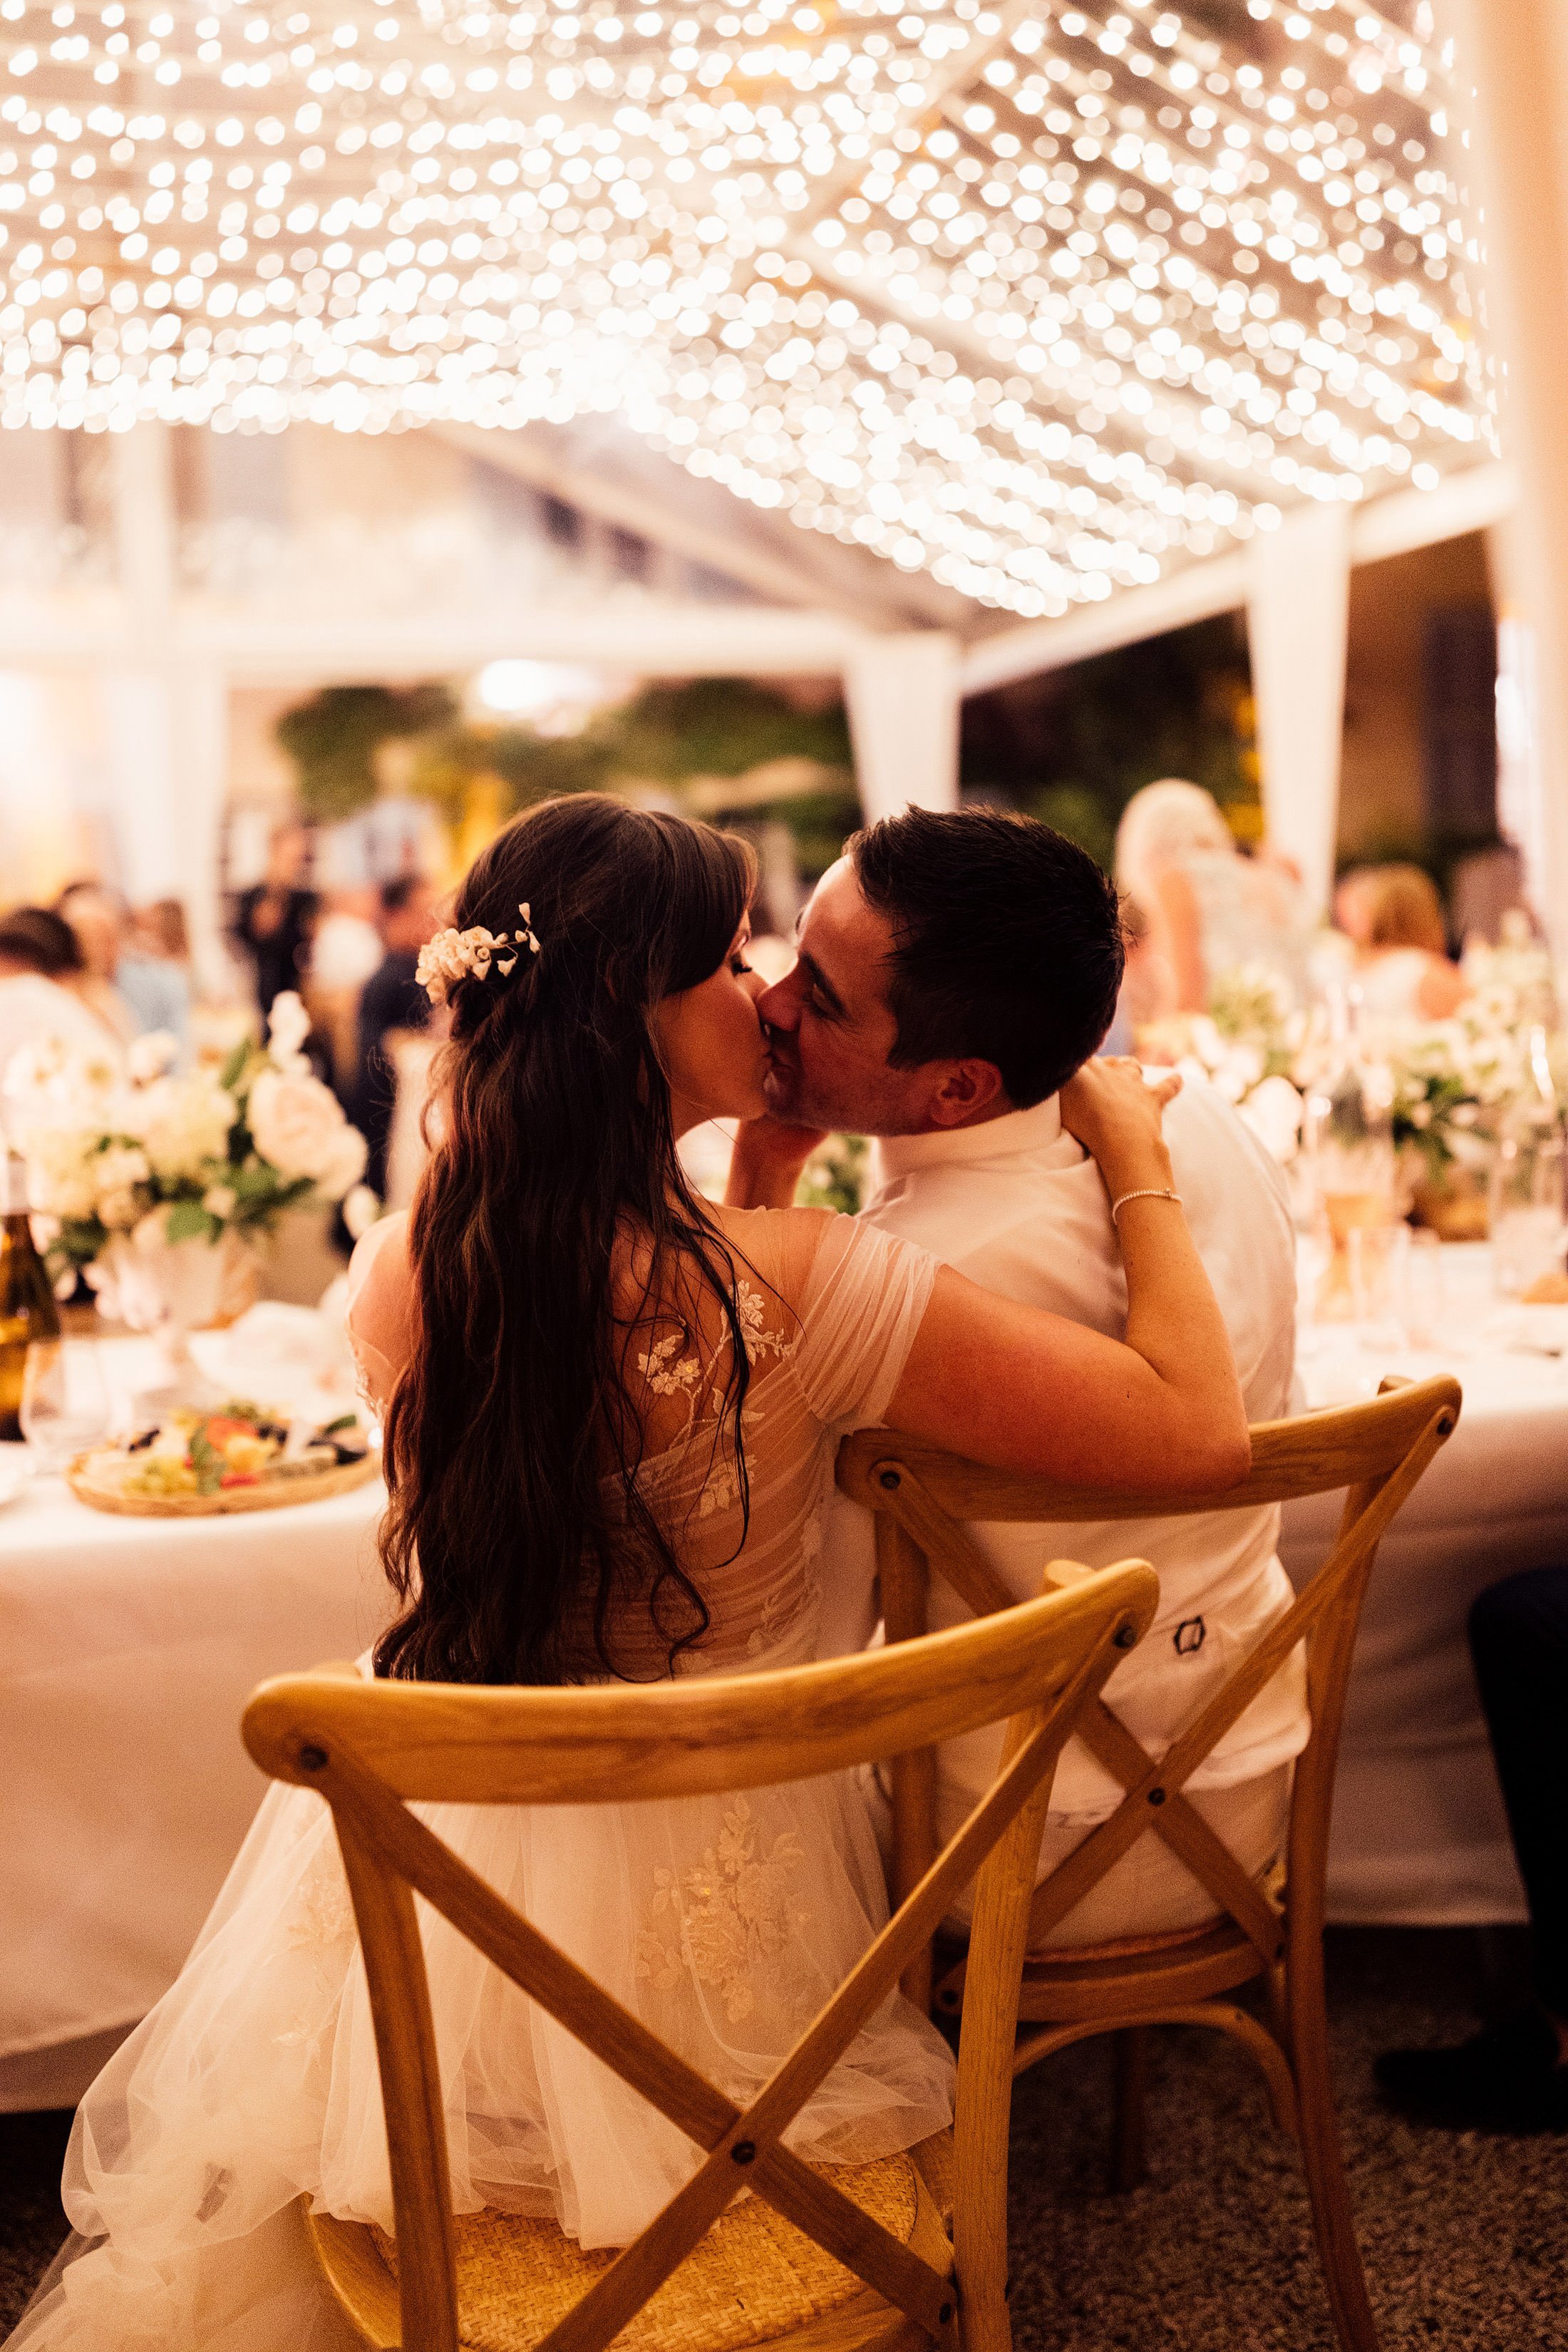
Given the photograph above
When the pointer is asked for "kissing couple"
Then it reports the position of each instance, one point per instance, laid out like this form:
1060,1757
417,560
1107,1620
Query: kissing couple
612,1411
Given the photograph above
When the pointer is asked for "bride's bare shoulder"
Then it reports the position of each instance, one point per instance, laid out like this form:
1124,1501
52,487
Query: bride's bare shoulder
380,1290
781,1243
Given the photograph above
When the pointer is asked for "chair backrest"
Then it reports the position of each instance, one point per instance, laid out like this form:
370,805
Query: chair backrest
921,1497
371,1746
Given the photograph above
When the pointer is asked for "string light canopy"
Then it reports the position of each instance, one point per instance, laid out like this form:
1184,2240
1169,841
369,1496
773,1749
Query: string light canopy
1043,299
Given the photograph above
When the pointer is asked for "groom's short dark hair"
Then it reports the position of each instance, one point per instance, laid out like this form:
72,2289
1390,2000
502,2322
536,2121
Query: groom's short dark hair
1008,944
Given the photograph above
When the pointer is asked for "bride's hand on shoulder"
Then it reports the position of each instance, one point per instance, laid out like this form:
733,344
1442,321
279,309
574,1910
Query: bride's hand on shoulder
1116,1114
766,1163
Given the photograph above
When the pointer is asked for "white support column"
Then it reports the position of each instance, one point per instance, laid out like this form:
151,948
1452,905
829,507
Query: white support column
1509,66
167,713
902,694
144,534
1297,611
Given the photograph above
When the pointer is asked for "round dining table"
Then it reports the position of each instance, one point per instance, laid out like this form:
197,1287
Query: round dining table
1419,1836
129,1646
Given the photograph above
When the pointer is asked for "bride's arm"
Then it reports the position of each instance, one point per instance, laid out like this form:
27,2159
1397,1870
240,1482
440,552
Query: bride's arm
1016,1388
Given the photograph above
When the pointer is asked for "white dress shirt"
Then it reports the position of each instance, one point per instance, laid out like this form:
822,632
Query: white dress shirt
1018,1206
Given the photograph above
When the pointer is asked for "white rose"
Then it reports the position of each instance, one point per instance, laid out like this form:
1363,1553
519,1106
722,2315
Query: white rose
118,1211
299,1127
361,1209
181,1123
218,1201
1273,1111
346,1165
148,1058
288,1026
61,1179
121,1167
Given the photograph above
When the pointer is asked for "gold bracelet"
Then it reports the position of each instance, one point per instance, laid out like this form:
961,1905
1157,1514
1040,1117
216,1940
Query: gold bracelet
1145,1193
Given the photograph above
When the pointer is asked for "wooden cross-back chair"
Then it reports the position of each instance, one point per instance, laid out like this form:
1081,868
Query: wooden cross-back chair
371,1747
922,1498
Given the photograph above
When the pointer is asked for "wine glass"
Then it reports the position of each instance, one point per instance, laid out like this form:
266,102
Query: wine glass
65,1401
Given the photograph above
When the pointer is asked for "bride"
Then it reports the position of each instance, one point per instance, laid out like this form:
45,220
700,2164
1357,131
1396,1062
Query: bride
611,1416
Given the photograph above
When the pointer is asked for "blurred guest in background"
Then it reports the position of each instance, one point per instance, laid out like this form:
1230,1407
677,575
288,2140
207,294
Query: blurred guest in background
161,930
345,949
42,977
1395,917
138,989
1209,910
393,1001
96,918
274,919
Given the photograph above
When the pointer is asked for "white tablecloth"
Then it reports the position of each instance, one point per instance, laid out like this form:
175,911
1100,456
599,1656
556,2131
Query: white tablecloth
127,1651
129,1646
1419,1835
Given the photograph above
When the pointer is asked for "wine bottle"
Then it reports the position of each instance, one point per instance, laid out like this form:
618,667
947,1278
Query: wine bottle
27,1308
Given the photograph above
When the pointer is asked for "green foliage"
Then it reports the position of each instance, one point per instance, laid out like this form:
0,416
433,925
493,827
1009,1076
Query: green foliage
1082,815
187,1220
531,767
716,727
332,739
835,1177
1072,746
663,736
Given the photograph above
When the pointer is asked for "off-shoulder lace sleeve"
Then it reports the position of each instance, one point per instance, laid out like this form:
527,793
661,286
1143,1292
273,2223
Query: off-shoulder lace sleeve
380,1316
860,1303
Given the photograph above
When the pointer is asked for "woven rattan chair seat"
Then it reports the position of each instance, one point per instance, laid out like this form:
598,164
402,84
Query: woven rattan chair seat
753,2278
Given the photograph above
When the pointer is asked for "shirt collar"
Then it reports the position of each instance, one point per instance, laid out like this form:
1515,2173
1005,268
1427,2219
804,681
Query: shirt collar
1016,1133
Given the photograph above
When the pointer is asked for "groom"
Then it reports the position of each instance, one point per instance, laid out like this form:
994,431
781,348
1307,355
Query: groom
954,971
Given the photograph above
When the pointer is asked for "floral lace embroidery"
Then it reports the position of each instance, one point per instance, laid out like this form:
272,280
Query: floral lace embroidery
729,1915
721,1490
759,1341
321,1913
667,1379
782,1606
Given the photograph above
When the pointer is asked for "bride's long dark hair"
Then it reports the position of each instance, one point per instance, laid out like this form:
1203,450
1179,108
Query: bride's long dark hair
512,1556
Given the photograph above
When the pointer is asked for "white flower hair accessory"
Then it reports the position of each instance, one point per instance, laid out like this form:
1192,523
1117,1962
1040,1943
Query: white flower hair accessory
452,956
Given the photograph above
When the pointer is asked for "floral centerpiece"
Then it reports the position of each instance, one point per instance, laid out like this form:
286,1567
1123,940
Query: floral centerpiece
1448,1084
1247,1045
160,1187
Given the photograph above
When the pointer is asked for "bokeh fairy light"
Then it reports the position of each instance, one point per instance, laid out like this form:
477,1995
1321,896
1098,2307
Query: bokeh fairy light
1041,299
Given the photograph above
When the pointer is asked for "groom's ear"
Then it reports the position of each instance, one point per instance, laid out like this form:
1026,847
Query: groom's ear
964,1091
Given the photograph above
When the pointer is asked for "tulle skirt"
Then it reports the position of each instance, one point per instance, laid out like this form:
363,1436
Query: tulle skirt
725,1923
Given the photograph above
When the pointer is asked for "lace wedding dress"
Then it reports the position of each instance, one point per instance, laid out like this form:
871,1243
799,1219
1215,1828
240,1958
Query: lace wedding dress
724,1922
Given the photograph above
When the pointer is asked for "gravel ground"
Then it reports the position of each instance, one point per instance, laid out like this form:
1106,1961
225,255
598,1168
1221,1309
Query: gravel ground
1465,2236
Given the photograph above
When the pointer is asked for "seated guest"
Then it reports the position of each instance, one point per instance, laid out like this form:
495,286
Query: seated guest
1514,2077
390,1000
1209,910
140,989
42,973
1402,966
954,971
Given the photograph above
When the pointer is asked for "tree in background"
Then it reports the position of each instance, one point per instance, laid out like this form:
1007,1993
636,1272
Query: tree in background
333,738
1073,745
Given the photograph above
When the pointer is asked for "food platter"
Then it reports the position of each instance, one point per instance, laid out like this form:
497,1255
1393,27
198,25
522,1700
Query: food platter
97,1479
198,1464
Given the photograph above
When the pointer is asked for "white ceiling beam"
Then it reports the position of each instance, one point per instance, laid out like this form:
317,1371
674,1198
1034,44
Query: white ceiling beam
1396,525
1407,520
1195,594
672,640
633,510
677,641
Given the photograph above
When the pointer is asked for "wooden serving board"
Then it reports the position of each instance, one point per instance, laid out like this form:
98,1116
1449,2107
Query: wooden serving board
103,1493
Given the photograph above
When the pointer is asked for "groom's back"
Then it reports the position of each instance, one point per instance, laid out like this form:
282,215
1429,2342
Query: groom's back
1017,1207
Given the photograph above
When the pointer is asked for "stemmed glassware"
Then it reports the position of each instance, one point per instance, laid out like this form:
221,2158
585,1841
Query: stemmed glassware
65,1401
